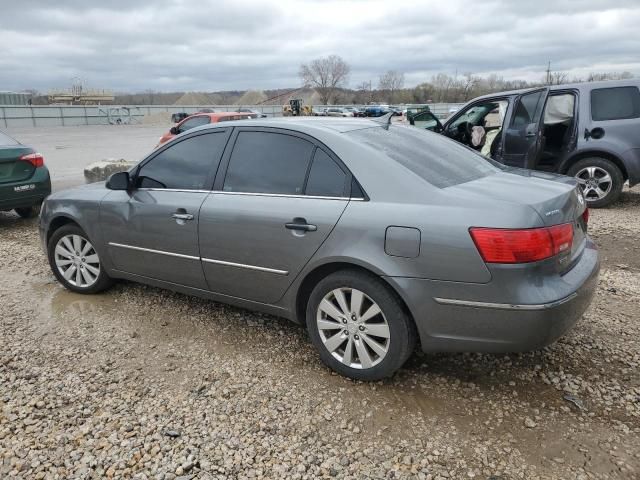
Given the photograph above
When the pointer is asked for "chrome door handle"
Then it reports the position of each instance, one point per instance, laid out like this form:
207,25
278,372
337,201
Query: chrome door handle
182,216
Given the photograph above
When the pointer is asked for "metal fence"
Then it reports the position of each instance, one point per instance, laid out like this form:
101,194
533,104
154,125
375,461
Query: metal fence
64,115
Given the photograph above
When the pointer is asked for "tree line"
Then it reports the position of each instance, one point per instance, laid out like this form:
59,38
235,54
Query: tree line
330,76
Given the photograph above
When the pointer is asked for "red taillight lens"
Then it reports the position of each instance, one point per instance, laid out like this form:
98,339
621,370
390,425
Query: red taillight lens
499,245
585,216
35,159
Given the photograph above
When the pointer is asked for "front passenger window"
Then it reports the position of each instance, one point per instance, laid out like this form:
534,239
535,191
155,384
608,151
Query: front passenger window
185,165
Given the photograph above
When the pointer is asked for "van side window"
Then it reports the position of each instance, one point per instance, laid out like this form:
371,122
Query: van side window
616,103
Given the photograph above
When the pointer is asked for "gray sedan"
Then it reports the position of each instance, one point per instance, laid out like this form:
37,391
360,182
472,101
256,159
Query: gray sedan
374,236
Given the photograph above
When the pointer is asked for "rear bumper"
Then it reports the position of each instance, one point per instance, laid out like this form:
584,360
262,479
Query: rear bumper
30,192
453,316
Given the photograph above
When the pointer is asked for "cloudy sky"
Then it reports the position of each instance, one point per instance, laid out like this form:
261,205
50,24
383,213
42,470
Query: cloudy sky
209,45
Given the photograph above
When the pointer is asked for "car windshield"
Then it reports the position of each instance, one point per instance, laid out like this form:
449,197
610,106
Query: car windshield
434,158
7,140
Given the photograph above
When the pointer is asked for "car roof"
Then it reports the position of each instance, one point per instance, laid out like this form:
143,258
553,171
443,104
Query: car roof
214,114
301,124
565,86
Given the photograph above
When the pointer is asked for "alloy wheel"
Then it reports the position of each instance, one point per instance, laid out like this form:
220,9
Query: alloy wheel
77,261
595,182
353,328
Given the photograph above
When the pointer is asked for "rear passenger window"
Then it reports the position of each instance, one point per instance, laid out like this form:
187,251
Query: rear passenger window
615,103
326,178
266,162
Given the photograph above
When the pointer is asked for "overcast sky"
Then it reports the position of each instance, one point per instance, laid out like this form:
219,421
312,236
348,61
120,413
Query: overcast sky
167,45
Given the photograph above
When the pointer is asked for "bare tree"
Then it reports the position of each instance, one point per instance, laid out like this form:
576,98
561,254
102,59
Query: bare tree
596,77
325,74
364,93
468,86
390,82
557,78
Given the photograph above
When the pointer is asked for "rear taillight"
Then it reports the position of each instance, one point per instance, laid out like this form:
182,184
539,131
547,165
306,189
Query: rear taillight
499,245
585,216
35,159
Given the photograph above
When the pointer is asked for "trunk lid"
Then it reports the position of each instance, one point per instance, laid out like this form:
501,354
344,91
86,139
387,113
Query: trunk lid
12,169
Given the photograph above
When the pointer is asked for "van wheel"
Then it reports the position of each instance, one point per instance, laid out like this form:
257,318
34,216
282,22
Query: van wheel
359,326
600,180
28,212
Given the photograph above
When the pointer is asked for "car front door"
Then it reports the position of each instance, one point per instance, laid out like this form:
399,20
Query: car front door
426,120
279,199
152,230
522,139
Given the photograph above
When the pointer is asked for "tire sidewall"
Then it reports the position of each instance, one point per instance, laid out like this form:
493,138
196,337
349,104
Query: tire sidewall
402,337
617,179
103,280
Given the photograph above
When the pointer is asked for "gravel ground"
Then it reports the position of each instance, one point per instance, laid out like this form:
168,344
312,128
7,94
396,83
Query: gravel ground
143,383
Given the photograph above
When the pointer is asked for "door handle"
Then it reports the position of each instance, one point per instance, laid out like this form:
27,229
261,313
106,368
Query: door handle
301,225
182,216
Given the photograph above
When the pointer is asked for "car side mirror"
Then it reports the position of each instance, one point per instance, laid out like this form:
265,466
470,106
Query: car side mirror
174,131
119,181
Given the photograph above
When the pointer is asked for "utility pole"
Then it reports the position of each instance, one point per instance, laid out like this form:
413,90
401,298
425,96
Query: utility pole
549,73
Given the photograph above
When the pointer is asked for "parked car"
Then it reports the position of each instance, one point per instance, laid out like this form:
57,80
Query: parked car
199,119
397,111
24,178
319,112
590,131
376,110
374,236
339,112
252,113
355,111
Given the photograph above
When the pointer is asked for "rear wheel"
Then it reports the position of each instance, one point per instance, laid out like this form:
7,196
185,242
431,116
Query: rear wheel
75,261
28,212
600,180
359,326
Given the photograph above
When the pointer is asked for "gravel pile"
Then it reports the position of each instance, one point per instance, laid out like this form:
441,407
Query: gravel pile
143,383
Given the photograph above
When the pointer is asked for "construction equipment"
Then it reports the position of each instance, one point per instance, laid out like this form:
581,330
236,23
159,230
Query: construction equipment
296,108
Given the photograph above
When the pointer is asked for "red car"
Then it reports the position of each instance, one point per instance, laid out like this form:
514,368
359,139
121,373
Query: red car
198,119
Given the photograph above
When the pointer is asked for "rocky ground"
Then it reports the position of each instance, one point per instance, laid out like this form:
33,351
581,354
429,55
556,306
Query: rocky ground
143,383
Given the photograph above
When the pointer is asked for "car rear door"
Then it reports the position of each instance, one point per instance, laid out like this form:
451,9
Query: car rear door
279,198
523,139
152,230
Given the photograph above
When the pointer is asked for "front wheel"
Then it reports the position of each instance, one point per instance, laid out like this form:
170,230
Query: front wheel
600,179
75,261
359,326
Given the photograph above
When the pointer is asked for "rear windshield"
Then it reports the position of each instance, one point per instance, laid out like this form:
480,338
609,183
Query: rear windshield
6,140
433,157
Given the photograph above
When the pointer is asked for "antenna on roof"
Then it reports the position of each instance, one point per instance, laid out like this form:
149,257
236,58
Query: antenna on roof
384,120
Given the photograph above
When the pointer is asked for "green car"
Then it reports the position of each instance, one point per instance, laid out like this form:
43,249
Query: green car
24,180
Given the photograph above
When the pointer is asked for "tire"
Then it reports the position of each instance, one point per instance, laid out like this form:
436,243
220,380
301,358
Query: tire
28,212
88,261
393,321
590,173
